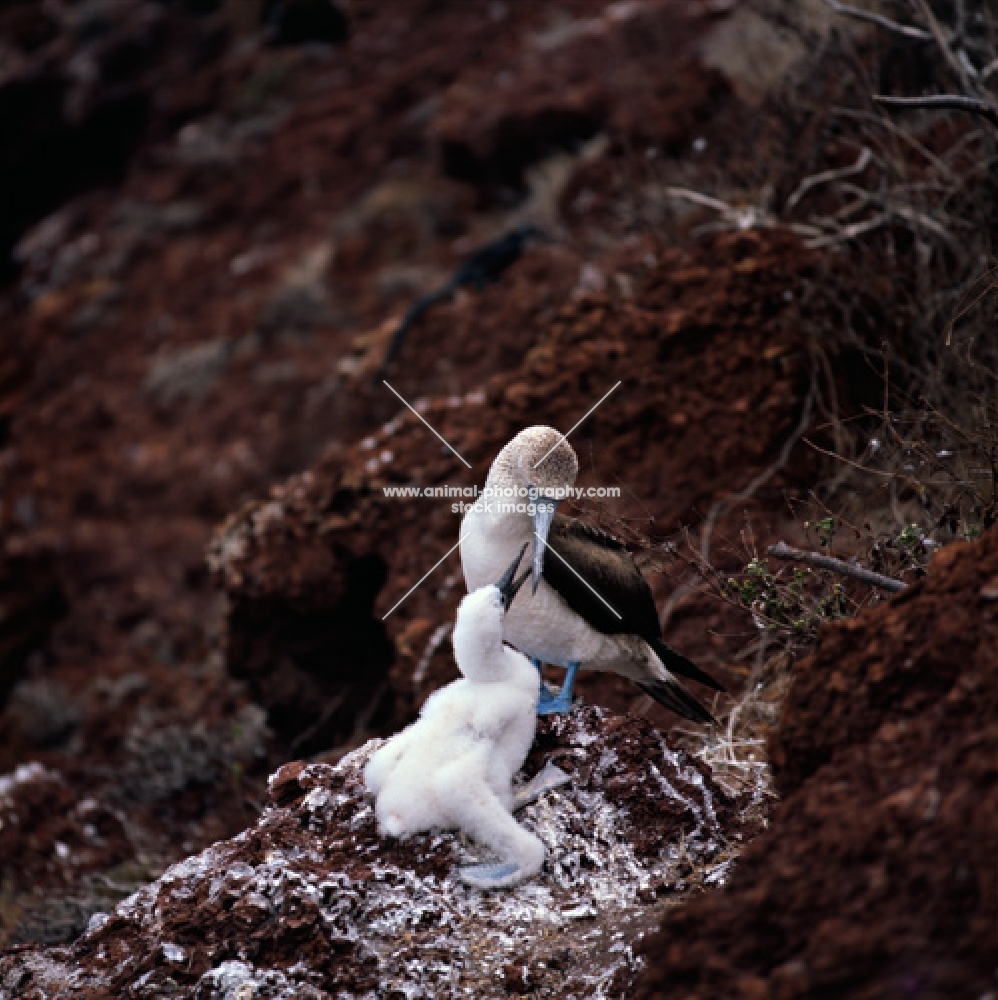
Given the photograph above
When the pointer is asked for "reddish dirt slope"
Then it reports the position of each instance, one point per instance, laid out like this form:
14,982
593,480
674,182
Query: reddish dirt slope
877,878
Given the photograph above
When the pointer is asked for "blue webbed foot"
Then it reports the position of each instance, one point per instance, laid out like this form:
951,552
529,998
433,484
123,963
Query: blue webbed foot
553,704
547,703
495,876
550,704
546,780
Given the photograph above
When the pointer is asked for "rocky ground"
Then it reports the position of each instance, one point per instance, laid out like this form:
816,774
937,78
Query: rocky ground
311,902
196,553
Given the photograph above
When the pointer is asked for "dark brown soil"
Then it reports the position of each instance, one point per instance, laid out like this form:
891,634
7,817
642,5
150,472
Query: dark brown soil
877,878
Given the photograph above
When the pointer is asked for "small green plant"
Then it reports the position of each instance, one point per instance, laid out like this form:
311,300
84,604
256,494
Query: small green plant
825,528
789,601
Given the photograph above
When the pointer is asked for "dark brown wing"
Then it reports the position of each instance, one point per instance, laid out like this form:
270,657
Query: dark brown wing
585,559
583,555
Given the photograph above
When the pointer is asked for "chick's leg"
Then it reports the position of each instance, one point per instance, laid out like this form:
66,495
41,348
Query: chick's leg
471,805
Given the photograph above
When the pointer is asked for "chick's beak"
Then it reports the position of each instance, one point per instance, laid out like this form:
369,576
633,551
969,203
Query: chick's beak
506,585
544,508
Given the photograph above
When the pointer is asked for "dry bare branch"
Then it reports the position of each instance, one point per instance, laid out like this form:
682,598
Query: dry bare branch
987,284
944,102
783,551
848,232
687,194
878,19
849,461
919,220
862,162
738,219
937,33
722,506
881,121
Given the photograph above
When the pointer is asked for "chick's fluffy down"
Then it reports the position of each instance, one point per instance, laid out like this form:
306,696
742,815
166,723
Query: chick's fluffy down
469,741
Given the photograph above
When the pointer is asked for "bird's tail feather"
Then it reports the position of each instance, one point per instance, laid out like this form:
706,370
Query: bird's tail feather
678,664
675,697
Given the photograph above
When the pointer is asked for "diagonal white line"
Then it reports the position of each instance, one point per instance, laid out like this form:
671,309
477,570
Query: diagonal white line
424,576
565,435
572,568
442,439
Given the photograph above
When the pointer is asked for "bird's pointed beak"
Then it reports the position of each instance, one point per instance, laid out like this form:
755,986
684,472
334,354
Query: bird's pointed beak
506,585
544,508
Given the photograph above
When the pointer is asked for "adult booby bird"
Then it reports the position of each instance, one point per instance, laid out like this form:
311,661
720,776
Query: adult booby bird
454,766
591,607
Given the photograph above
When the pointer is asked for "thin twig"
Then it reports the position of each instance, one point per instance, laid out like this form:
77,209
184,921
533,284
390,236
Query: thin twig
910,215
919,220
849,232
943,43
944,102
783,551
961,21
739,219
846,211
813,181
855,465
879,20
899,133
327,713
951,326
688,194
721,507
915,219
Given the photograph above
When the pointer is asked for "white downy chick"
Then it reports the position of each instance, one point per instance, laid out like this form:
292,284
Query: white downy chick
454,766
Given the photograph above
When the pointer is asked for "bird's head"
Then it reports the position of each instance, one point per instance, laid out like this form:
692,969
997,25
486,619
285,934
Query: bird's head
478,629
477,634
540,461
